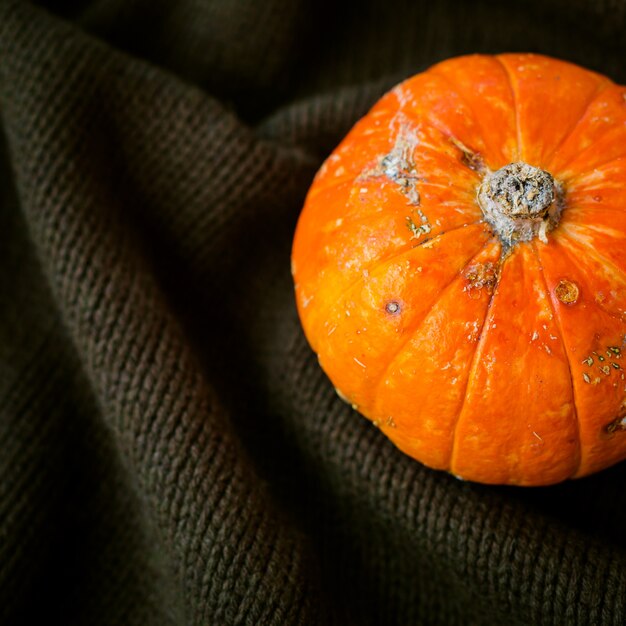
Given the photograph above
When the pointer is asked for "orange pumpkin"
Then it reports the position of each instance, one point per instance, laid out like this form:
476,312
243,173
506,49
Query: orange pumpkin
460,268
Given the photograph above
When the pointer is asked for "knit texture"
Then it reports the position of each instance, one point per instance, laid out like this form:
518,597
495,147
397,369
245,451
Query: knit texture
170,451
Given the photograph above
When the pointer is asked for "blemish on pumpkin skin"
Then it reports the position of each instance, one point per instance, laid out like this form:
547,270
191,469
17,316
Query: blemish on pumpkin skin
474,328
424,227
359,362
607,368
413,227
398,165
469,158
618,424
567,292
591,381
393,307
480,276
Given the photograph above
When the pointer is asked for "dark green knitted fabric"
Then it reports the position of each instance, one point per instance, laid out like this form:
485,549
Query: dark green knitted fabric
170,451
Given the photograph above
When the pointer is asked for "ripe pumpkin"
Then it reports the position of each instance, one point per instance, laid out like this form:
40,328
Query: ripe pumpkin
460,268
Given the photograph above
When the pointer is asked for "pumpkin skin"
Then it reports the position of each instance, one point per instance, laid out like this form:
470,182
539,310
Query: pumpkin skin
498,360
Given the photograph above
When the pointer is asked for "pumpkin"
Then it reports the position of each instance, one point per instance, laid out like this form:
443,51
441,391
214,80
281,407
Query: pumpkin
460,268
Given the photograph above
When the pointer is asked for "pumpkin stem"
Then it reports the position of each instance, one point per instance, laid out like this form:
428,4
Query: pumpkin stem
521,202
